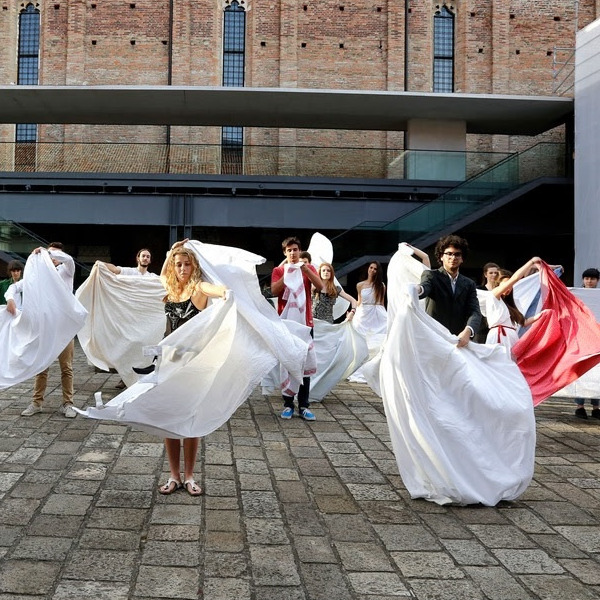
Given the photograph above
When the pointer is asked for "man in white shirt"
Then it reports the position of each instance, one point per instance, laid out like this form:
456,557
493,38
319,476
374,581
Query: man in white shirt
143,259
66,269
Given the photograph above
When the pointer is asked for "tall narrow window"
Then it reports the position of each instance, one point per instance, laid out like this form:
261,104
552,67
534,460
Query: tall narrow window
27,62
443,50
234,59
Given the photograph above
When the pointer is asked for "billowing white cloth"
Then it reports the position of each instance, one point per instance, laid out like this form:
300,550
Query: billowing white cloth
412,270
49,319
125,313
461,420
370,321
588,385
321,250
340,350
210,365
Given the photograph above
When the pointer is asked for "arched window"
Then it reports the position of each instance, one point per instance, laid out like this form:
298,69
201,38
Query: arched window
28,62
443,50
234,61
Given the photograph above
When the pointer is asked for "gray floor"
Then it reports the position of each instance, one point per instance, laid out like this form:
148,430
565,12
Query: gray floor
293,510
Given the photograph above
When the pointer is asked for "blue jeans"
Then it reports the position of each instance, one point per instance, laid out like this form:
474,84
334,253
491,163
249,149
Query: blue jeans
594,401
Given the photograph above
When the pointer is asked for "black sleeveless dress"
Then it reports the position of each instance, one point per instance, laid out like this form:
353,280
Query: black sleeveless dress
179,313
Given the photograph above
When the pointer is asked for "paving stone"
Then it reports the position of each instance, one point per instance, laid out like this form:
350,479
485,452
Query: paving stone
124,498
437,565
406,538
584,537
314,549
67,504
273,565
108,565
336,504
558,587
430,589
303,520
469,552
119,518
260,504
79,590
292,491
109,539
497,584
220,487
224,541
18,511
279,593
363,491
266,531
527,561
226,589
383,584
255,482
56,525
324,582
177,514
221,520
28,577
363,556
94,471
42,548
585,570
167,582
226,564
501,536
171,554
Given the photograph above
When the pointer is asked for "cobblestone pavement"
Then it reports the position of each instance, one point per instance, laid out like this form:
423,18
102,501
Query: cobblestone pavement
293,510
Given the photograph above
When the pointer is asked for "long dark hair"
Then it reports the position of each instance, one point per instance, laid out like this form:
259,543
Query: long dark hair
378,285
516,316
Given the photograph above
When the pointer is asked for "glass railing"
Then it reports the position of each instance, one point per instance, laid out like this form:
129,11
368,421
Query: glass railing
17,243
205,159
434,218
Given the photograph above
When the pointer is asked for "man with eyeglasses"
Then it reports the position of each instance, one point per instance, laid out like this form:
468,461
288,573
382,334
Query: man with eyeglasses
452,297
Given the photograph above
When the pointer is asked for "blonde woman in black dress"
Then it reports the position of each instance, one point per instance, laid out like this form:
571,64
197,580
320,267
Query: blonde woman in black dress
187,295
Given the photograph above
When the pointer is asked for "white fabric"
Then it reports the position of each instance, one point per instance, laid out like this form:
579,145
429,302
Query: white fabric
370,321
339,350
501,328
66,268
461,420
49,319
125,313
412,270
210,365
294,293
588,385
321,250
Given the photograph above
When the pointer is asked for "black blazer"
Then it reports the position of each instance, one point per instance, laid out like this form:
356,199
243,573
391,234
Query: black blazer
453,310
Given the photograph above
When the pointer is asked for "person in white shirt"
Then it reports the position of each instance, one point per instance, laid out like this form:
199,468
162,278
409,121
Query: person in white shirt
66,269
143,259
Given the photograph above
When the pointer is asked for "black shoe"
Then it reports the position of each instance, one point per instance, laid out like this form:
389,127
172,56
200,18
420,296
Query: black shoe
581,413
150,369
595,413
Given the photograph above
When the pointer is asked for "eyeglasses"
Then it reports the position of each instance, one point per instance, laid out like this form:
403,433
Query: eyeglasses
455,254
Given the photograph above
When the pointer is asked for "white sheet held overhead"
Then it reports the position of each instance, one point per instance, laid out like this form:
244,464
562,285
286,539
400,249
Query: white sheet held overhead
321,250
126,313
461,420
210,365
50,318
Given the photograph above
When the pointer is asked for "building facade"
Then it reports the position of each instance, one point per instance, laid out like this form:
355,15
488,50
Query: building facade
498,47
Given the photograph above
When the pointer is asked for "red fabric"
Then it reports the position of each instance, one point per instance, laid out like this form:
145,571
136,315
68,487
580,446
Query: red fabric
562,345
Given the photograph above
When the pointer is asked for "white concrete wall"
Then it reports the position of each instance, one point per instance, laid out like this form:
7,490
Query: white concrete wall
587,150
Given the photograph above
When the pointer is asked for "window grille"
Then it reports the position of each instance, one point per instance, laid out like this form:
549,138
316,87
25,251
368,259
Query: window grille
443,51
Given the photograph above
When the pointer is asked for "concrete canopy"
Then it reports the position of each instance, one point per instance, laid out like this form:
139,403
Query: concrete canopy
278,107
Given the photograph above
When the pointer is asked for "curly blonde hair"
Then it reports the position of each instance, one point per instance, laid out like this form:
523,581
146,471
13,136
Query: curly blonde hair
175,290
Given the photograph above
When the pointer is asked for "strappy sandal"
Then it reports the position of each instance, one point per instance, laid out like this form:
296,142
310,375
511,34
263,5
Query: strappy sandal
171,486
192,488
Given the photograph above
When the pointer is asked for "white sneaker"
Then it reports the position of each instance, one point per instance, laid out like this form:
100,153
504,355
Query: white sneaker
31,410
68,411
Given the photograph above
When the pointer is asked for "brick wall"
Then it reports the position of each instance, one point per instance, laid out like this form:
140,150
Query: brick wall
502,47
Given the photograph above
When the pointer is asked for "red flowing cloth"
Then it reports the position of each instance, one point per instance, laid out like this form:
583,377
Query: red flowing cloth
562,345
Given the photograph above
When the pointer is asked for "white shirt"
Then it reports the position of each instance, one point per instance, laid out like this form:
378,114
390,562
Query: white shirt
135,272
